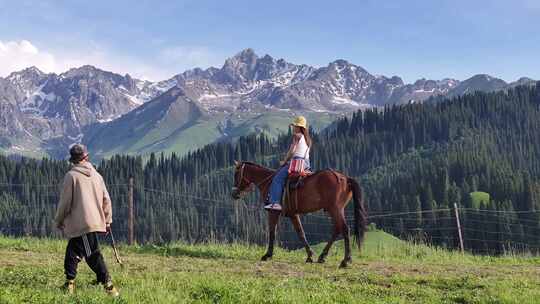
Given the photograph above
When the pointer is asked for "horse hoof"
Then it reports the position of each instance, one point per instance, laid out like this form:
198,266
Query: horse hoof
309,260
266,258
343,264
321,260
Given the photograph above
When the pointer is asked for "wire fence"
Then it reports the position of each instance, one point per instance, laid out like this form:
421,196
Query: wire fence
164,216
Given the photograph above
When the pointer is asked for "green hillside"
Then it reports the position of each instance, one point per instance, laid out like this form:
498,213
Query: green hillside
226,128
387,271
174,123
181,133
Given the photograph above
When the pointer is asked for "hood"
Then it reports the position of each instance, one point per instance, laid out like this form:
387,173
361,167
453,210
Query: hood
85,168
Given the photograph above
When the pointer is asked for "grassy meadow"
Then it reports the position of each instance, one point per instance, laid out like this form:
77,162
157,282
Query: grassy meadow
387,271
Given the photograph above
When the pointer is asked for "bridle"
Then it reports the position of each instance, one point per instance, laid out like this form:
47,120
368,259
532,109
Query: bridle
250,183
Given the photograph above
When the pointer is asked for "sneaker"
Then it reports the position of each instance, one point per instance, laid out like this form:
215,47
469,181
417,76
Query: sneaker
69,287
111,290
273,206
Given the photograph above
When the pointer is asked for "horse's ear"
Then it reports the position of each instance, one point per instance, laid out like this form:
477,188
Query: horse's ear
236,164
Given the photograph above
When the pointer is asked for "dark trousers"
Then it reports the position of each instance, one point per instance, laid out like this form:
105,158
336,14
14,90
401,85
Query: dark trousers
86,247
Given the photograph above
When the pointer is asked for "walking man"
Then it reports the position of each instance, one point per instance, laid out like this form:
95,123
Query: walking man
84,212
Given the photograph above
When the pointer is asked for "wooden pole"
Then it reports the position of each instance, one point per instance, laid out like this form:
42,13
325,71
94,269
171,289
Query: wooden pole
131,220
459,228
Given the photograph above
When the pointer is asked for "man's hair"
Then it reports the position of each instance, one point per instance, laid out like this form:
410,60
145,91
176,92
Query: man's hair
78,153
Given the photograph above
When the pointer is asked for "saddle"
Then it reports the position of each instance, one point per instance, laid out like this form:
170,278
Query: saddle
295,181
290,197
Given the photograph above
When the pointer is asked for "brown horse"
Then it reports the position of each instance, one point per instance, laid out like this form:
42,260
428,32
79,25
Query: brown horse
327,190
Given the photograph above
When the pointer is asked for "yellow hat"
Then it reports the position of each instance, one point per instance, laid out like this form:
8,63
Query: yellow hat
300,121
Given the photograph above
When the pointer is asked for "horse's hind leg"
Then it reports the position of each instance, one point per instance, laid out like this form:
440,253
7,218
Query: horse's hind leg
346,240
337,219
301,234
273,220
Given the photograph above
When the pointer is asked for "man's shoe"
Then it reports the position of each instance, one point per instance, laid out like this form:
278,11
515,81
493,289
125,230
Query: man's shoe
69,287
111,290
273,206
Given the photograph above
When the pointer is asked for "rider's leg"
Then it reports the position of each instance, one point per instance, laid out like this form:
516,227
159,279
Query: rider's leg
276,188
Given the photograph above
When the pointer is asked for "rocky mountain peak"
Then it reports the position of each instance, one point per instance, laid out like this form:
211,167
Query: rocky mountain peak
51,106
246,55
30,71
396,80
197,73
25,82
525,80
29,75
485,78
267,58
340,63
342,66
238,69
86,71
246,58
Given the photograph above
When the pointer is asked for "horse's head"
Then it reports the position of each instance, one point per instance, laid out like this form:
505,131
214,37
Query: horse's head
241,183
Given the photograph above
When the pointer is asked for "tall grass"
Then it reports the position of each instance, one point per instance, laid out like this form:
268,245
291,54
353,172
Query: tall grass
387,270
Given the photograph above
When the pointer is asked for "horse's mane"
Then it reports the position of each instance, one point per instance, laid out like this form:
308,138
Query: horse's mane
257,165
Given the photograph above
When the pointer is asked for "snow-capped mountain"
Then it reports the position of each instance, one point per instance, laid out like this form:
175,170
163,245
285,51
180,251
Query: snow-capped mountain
247,82
45,112
82,95
50,106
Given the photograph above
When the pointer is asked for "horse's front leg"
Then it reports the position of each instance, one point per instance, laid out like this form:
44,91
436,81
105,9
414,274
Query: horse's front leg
273,220
324,253
301,234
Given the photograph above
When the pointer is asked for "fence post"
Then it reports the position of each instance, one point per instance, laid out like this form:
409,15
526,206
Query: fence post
459,228
130,213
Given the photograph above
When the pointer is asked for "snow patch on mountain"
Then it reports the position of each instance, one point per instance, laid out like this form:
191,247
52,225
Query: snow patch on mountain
345,101
76,139
36,101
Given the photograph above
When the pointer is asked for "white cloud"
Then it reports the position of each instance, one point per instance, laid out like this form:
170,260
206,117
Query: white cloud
17,55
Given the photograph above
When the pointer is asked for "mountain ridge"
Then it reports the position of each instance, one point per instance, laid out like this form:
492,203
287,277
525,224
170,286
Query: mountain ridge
42,112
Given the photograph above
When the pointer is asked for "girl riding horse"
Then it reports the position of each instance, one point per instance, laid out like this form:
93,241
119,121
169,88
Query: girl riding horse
326,190
298,151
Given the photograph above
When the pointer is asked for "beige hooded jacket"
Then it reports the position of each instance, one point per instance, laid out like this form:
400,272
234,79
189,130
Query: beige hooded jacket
85,205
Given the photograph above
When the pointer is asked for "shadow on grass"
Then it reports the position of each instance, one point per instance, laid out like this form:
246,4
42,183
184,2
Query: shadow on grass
179,250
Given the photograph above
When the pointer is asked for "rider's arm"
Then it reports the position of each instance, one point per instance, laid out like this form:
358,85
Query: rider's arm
292,147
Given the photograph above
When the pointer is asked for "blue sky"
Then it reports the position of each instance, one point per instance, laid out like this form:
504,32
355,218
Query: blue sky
156,39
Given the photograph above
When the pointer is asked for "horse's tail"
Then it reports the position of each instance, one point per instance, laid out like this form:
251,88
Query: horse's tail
360,214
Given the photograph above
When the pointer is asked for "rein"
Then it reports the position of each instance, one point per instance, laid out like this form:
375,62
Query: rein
243,178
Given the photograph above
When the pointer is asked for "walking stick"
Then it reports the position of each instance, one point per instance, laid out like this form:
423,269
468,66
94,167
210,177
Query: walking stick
115,250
